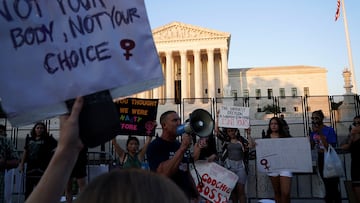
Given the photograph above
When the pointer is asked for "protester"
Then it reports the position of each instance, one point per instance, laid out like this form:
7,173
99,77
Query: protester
235,157
285,124
128,186
78,174
205,149
280,180
9,159
54,180
132,186
132,157
38,151
356,122
353,145
167,156
321,137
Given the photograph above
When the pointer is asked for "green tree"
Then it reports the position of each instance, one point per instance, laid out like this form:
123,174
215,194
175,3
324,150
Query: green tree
271,109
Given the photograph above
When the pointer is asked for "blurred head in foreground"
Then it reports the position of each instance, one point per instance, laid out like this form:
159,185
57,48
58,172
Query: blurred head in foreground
132,186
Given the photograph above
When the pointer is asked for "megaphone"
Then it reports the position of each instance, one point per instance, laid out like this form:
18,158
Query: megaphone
200,123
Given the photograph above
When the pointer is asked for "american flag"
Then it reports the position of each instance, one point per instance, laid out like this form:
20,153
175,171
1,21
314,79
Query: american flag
337,14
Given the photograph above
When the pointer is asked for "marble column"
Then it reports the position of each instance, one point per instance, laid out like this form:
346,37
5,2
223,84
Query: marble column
156,90
198,75
169,76
211,73
184,74
142,95
156,93
224,68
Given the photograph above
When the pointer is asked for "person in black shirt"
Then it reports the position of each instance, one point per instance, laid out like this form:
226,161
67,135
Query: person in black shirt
38,150
167,156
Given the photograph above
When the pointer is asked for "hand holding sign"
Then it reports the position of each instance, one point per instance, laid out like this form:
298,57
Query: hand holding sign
137,116
270,155
216,182
65,49
98,120
233,117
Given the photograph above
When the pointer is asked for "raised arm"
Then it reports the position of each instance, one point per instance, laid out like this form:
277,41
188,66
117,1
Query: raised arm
144,148
169,167
119,151
217,131
249,138
52,184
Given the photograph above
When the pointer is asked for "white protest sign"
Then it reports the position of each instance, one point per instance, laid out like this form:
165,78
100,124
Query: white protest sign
234,117
217,181
293,154
53,51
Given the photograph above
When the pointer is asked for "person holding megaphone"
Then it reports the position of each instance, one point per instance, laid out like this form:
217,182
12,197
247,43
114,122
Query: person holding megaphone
169,157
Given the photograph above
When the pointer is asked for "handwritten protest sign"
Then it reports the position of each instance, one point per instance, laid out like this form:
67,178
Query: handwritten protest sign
137,116
217,181
53,51
234,117
291,154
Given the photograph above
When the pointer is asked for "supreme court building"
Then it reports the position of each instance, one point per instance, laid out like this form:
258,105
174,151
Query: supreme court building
194,61
195,65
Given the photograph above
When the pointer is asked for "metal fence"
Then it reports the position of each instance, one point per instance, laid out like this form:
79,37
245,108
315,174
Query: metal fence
338,110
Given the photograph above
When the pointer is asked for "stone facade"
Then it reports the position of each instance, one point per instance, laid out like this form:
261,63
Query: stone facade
195,65
194,61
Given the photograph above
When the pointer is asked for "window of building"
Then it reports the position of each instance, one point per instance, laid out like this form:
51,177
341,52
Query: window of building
306,91
296,109
258,93
234,94
270,93
283,109
258,109
282,93
294,92
246,93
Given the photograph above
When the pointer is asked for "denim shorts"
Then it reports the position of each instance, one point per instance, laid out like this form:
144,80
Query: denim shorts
238,168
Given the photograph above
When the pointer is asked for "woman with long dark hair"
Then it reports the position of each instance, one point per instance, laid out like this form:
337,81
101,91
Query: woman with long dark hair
38,150
235,156
280,180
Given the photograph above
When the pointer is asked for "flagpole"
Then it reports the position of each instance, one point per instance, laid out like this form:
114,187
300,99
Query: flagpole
349,48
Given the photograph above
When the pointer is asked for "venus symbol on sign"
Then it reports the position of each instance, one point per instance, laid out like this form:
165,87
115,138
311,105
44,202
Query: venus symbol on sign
128,45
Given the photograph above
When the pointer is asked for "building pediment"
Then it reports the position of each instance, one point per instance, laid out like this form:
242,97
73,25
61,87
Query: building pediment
179,31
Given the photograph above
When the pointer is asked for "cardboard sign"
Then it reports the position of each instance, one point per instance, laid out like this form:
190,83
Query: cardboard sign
53,51
137,116
234,117
292,154
217,181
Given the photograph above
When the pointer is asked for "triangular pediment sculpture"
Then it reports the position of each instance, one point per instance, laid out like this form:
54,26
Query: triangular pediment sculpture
181,31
